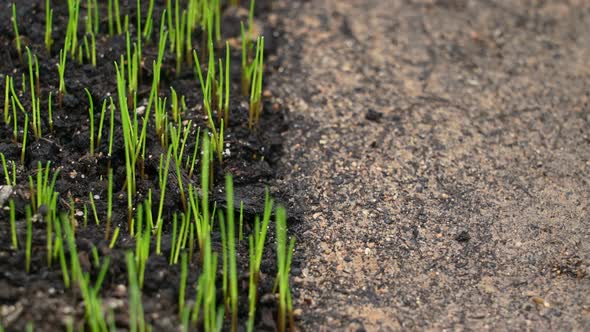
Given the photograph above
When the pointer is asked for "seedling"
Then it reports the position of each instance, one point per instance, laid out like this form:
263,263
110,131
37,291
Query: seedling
114,239
93,207
231,240
109,204
163,180
91,114
13,225
50,111
149,23
130,141
256,245
58,249
61,68
9,181
136,318
95,258
284,257
48,26
256,88
43,192
71,41
16,34
25,133
103,112
182,288
7,84
35,102
29,219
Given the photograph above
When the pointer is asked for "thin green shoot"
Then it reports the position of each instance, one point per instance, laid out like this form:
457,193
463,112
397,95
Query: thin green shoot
13,225
25,134
226,87
109,203
194,158
114,238
149,23
95,258
71,41
182,288
173,242
16,34
136,318
252,287
48,26
259,235
118,18
241,231
49,237
8,82
159,220
284,257
103,112
231,241
256,88
9,181
61,69
91,118
58,249
111,132
50,111
29,220
35,102
93,207
129,139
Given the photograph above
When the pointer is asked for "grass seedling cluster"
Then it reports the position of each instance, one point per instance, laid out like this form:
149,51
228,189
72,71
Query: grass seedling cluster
159,138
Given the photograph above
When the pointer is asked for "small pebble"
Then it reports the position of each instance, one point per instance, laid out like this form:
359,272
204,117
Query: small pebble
373,115
463,236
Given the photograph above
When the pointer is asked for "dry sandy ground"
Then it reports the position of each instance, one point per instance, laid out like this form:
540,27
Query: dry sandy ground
439,152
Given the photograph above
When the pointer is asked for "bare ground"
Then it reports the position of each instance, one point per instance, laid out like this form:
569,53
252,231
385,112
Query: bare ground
439,152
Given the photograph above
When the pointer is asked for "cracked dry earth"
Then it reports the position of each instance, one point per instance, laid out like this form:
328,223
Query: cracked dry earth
439,152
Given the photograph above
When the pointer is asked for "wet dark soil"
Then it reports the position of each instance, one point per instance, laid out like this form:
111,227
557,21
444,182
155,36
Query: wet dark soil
39,296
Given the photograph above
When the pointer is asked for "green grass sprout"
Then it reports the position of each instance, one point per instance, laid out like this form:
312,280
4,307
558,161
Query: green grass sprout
50,111
136,318
9,181
71,41
284,257
256,88
109,203
16,34
24,146
231,240
114,238
182,287
93,207
29,220
7,84
48,26
33,65
13,225
91,118
61,68
95,258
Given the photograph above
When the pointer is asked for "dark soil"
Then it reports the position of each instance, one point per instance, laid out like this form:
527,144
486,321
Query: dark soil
440,150
39,296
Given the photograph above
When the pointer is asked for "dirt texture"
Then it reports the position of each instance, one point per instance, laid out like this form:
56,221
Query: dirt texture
40,297
439,151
